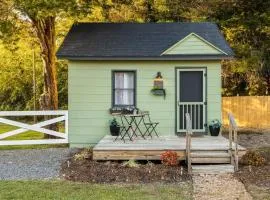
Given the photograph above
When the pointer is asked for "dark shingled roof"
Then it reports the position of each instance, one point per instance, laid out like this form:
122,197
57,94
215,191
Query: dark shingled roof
90,41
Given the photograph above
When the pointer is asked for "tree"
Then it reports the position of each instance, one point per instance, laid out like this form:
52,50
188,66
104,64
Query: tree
246,26
42,15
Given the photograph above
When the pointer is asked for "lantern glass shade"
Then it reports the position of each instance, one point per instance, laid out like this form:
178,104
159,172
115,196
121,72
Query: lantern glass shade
158,83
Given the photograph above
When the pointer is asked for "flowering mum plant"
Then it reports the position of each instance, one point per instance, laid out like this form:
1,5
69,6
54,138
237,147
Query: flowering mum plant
169,158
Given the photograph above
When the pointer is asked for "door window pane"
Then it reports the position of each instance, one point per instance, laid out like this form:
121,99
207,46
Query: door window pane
191,86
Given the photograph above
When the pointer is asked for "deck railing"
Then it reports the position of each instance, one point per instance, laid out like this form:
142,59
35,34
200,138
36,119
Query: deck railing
233,139
60,115
196,112
188,141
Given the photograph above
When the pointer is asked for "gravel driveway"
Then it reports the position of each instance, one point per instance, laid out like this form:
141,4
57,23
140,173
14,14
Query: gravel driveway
32,163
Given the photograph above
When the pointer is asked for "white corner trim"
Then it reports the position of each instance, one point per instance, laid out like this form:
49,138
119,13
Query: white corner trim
186,37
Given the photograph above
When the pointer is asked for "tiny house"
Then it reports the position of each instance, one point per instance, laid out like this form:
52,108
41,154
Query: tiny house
167,69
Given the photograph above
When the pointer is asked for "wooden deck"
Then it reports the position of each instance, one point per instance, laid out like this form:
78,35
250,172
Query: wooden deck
151,149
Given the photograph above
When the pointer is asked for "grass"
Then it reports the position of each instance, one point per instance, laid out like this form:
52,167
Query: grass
27,190
29,135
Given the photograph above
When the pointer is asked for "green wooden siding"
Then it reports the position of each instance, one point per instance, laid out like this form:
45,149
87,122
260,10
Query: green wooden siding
90,95
192,45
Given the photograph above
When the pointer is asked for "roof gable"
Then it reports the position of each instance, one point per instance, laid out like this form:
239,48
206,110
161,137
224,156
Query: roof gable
193,44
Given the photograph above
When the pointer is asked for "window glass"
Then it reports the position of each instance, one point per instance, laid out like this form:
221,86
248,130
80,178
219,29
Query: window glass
124,88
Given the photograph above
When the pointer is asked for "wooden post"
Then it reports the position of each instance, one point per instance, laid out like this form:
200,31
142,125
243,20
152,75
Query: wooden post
189,158
233,136
230,142
188,141
236,150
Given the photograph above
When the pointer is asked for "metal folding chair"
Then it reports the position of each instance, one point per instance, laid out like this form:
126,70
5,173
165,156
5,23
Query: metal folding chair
150,126
124,130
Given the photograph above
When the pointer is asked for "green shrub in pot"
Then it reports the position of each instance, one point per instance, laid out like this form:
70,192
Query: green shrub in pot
214,127
114,127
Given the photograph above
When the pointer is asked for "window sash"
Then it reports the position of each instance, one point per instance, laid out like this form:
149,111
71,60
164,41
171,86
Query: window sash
124,88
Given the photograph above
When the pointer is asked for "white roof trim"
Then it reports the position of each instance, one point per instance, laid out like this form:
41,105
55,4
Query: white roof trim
177,43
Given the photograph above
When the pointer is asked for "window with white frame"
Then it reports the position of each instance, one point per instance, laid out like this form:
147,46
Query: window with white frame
123,88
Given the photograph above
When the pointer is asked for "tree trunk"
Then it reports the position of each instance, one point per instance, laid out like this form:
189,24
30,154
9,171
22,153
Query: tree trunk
45,30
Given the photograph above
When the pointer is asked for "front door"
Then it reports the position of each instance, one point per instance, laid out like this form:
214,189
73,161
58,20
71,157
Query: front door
191,98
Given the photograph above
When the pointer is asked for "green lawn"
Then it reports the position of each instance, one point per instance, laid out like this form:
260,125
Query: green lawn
27,190
29,135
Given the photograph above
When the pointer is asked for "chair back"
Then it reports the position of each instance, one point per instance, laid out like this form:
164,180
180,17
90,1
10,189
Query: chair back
146,116
122,121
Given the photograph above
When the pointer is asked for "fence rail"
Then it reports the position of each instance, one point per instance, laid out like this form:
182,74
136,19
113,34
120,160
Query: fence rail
61,115
249,111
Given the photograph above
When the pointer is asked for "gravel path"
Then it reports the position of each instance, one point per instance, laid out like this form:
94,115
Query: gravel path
218,187
31,163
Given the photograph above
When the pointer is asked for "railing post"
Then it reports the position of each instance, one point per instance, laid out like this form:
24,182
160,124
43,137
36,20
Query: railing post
230,142
236,150
233,137
188,142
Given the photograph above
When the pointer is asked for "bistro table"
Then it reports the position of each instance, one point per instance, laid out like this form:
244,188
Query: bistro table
132,122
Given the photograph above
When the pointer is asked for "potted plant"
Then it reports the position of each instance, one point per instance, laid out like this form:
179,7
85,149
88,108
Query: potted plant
214,127
114,127
158,92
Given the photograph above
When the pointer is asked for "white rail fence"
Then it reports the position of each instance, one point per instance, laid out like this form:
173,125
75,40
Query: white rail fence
60,116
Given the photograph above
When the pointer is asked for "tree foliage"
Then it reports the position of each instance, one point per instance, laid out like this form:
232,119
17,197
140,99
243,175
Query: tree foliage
42,15
40,26
246,25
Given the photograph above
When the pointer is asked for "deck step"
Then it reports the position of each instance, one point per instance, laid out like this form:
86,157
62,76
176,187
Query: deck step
210,157
210,154
210,160
212,169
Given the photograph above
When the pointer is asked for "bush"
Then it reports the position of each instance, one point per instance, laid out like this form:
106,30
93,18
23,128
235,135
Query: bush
85,154
169,158
253,158
131,164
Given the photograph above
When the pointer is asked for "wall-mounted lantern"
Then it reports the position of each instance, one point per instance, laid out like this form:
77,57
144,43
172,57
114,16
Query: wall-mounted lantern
158,89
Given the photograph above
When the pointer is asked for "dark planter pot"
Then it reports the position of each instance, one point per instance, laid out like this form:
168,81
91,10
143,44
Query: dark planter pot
115,130
214,131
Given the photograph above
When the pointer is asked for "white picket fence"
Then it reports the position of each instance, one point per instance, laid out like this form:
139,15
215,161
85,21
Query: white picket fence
60,115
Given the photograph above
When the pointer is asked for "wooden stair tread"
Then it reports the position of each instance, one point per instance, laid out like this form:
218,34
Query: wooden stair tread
216,160
206,154
213,169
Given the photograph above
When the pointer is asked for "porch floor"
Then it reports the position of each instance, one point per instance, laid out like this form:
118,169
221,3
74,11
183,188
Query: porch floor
152,148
